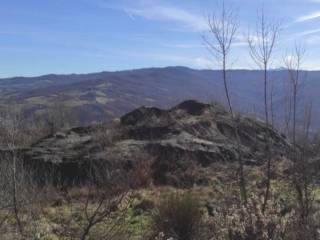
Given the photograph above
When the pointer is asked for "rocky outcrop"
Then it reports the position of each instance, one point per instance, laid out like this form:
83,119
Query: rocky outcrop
191,134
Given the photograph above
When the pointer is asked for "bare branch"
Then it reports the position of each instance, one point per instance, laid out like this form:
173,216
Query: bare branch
261,46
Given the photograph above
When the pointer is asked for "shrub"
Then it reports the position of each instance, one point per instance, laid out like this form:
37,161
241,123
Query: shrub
141,174
178,216
306,228
250,222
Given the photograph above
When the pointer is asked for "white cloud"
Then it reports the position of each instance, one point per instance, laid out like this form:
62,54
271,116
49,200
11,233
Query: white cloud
308,17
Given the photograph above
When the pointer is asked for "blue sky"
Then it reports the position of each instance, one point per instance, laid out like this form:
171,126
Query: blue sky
79,36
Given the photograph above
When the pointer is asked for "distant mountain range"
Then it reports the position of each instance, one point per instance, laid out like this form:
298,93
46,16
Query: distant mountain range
103,96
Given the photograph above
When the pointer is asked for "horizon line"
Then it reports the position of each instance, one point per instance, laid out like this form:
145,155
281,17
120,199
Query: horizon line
144,68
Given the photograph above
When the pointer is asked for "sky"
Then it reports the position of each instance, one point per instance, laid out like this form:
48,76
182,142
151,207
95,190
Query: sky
80,36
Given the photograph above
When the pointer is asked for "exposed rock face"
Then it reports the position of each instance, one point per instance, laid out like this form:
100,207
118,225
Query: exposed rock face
187,135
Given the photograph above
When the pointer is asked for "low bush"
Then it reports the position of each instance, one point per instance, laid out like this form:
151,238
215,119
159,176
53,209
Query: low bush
178,216
250,222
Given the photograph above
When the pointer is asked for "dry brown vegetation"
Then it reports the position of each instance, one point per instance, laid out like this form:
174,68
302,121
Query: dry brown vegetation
276,201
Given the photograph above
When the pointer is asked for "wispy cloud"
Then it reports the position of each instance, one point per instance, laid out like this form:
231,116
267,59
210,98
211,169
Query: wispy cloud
308,17
160,11
309,32
157,10
187,19
303,34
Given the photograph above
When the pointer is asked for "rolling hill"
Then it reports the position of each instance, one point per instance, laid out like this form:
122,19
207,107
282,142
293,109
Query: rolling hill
103,96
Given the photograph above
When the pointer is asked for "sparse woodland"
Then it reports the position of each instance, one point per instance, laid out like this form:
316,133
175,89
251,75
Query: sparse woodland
278,200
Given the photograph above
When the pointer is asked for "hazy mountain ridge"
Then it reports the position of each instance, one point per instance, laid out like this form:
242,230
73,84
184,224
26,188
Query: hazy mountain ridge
106,95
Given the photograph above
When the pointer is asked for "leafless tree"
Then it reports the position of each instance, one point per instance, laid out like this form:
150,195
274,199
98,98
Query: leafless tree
222,31
104,198
304,178
261,47
293,64
109,195
302,151
5,198
272,95
287,103
223,27
18,192
307,224
11,127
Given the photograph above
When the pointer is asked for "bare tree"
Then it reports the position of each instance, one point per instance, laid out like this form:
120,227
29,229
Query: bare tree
304,178
18,191
11,127
306,223
5,193
272,95
293,64
302,151
261,46
109,195
222,32
287,118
